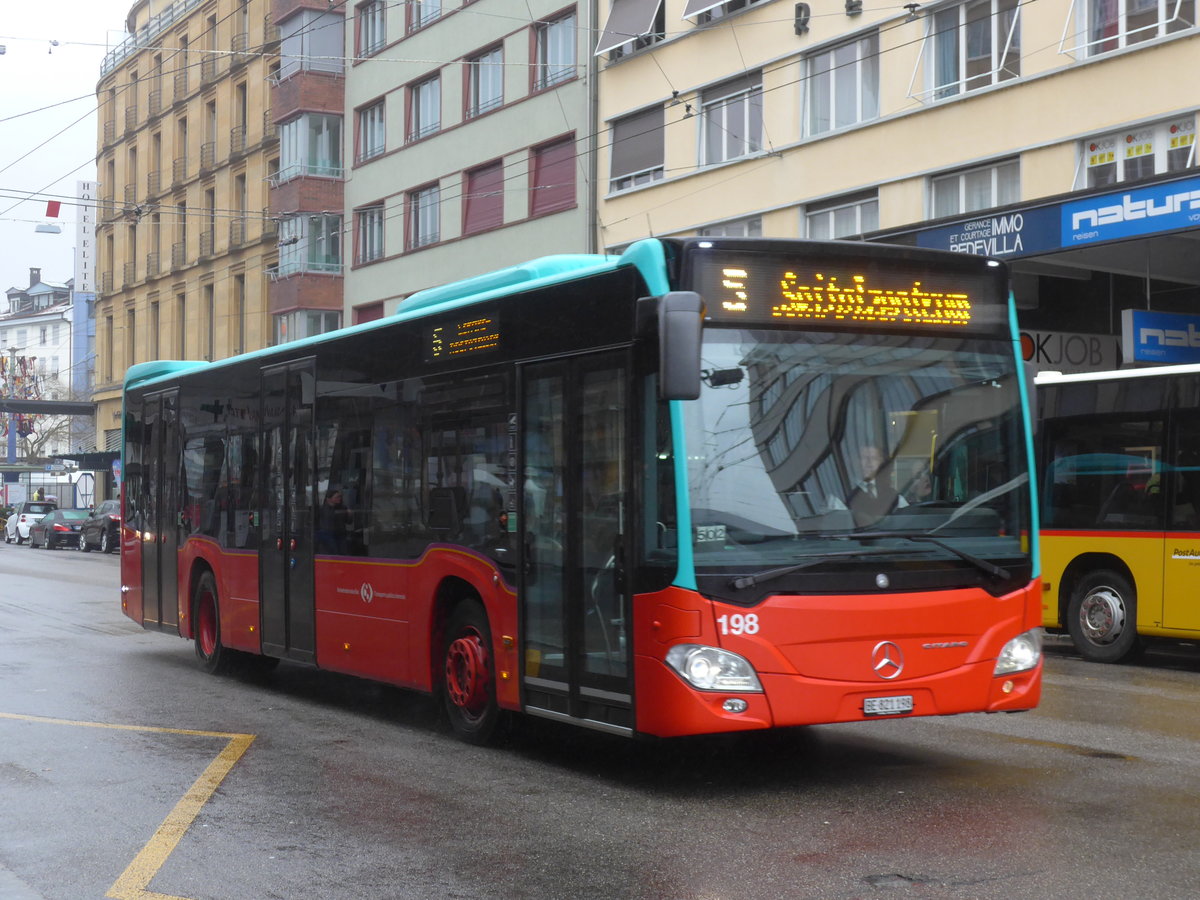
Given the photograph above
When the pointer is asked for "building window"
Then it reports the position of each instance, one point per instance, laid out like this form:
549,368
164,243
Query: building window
1139,152
305,323
371,23
485,82
707,11
425,108
732,119
483,205
1113,24
843,85
422,12
552,180
310,243
637,149
369,234
554,51
424,217
842,217
632,26
979,188
310,144
371,140
974,45
751,227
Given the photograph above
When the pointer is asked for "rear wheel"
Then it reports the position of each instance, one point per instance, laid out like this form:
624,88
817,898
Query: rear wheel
206,624
1102,617
105,542
469,674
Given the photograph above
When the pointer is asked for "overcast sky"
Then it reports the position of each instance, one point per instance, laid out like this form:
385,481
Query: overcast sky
48,124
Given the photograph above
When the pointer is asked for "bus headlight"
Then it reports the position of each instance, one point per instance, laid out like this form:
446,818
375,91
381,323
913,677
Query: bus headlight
1021,653
712,669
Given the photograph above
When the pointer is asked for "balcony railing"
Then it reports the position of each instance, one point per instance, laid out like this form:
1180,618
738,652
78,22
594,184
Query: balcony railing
270,226
211,68
178,255
131,117
237,140
129,273
130,194
208,242
237,232
179,169
269,131
110,132
155,105
239,45
106,282
208,155
152,263
181,85
270,32
153,183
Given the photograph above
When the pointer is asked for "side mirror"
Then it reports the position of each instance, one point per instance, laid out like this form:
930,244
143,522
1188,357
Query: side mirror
680,326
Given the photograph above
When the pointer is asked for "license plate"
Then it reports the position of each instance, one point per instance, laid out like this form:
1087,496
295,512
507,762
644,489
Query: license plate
887,706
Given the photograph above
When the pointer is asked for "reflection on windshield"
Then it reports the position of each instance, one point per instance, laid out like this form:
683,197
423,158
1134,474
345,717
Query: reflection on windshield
820,437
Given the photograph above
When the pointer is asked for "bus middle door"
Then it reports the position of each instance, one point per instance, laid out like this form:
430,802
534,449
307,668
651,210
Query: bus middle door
574,595
287,491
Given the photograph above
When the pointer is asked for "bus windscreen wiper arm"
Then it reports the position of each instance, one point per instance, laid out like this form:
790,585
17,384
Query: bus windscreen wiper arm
983,564
745,581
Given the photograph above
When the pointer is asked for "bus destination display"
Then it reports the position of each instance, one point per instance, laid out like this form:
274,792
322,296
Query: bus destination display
454,340
835,292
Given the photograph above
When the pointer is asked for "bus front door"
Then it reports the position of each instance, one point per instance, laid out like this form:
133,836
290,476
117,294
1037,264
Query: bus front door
160,513
573,526
286,527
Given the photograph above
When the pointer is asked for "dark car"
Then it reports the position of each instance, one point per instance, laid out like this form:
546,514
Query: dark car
57,529
102,529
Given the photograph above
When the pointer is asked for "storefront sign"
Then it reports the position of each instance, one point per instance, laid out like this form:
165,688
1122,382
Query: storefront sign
1066,351
1009,234
1148,210
1159,337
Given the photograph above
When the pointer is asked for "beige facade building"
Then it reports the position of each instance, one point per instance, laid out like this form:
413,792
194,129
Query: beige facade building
187,147
990,126
469,141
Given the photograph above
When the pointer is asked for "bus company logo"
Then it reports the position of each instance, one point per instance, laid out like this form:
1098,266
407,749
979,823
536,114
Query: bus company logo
366,592
887,660
1185,553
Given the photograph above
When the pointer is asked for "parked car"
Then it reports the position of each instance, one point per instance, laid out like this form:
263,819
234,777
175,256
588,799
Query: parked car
102,529
58,528
23,518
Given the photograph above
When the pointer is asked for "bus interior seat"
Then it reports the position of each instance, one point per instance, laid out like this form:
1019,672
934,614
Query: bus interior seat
447,507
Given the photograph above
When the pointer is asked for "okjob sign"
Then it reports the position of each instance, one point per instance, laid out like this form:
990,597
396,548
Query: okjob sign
1159,337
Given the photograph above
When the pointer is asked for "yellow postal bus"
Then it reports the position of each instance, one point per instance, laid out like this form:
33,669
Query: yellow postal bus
1119,464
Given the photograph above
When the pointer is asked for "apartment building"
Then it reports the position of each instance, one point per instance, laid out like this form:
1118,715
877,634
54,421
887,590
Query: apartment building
187,146
469,141
1058,135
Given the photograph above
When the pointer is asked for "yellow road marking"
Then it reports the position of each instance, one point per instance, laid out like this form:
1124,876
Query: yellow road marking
134,881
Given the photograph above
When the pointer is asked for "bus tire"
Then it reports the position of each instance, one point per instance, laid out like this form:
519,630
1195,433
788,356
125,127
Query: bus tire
1102,617
469,674
214,657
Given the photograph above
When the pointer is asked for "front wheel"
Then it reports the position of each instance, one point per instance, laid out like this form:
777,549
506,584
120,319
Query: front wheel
105,542
1102,617
206,625
469,676
84,546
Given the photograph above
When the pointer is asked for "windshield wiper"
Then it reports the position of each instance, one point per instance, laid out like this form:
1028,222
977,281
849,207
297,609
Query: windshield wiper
745,581
982,564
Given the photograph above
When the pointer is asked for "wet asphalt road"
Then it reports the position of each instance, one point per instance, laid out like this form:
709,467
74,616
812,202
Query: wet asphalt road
124,769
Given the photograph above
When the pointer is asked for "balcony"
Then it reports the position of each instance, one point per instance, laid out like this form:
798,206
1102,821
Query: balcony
156,102
106,282
269,129
181,85
152,264
153,184
237,141
270,34
131,117
208,243
129,274
240,45
110,132
270,226
178,255
211,68
179,170
237,232
208,156
130,194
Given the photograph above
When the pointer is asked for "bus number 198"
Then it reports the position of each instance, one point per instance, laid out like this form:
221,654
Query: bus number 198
738,624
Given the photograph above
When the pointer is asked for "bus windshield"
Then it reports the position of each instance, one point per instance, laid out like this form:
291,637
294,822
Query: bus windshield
818,451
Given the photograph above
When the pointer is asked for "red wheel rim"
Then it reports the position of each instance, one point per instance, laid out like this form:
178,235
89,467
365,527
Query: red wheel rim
467,672
206,624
